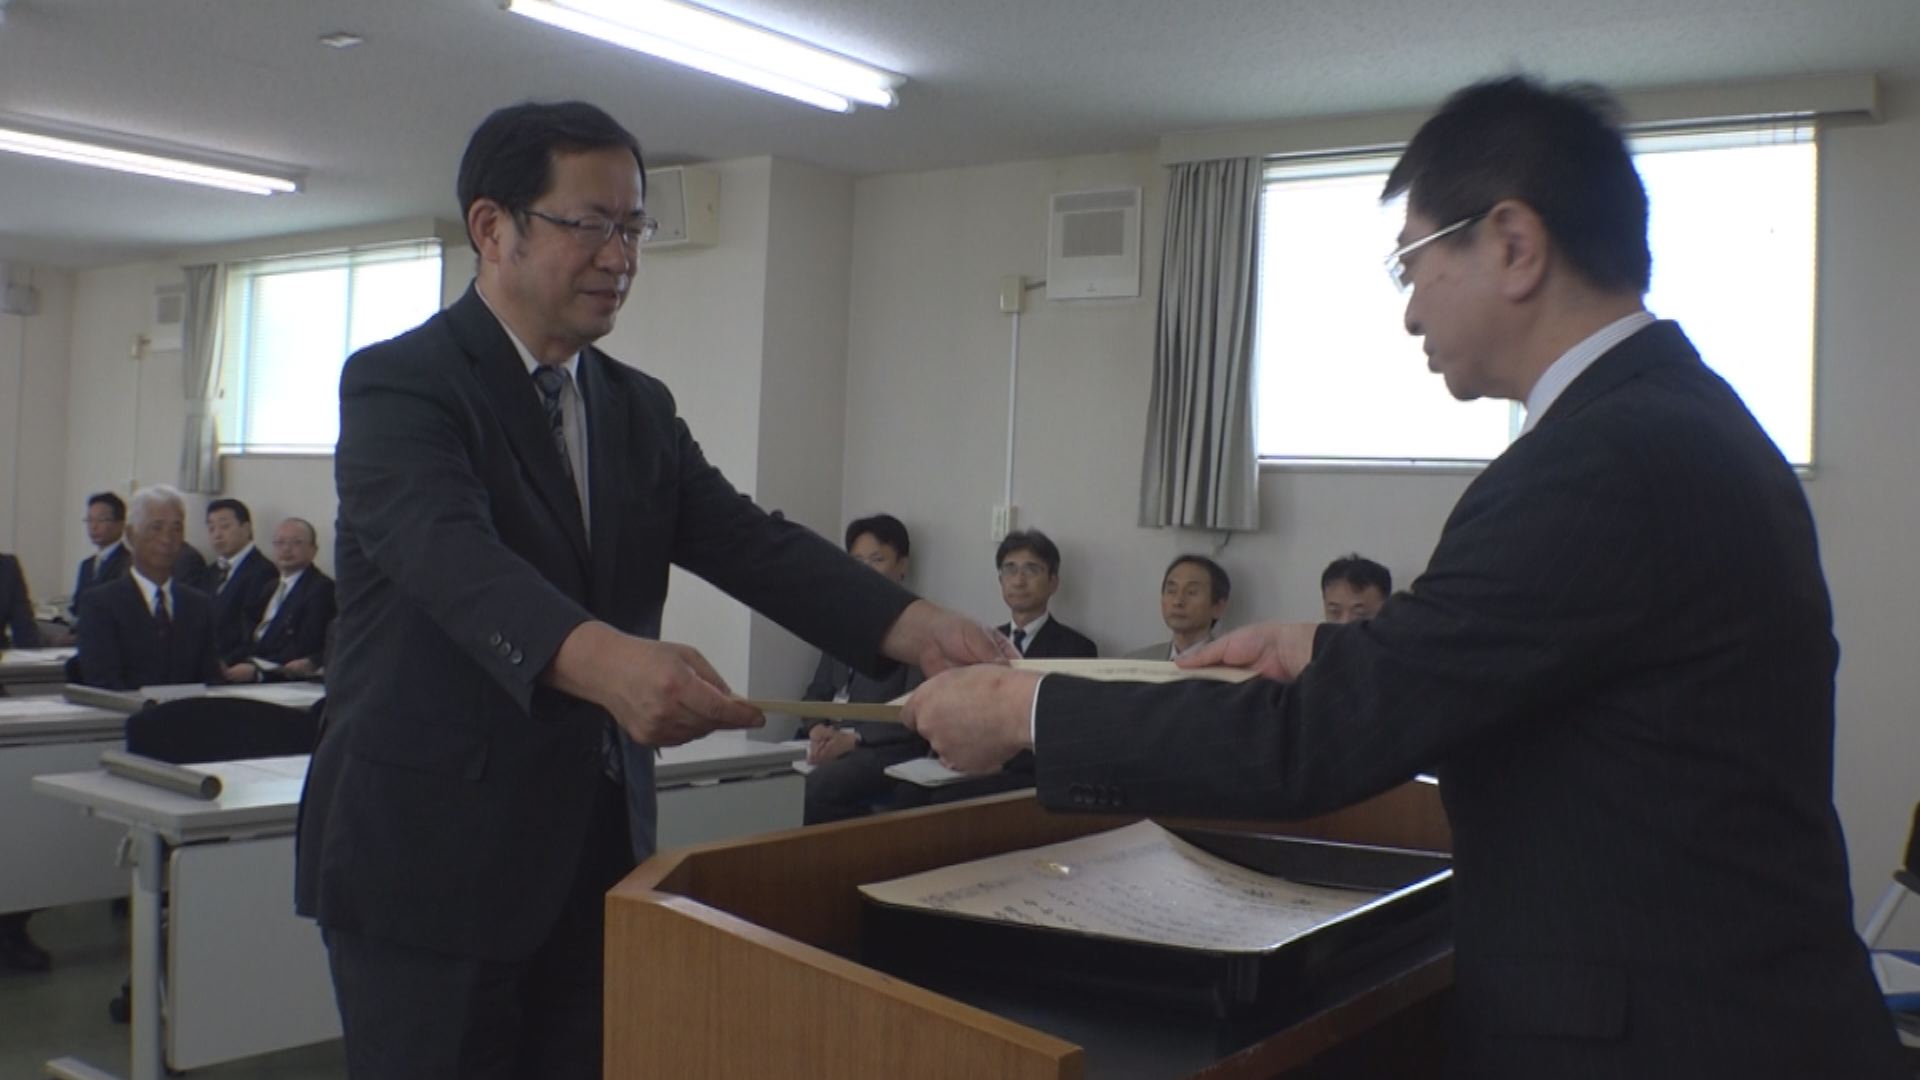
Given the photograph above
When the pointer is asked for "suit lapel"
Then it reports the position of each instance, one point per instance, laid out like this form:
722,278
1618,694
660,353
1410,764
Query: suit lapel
603,409
517,405
1654,344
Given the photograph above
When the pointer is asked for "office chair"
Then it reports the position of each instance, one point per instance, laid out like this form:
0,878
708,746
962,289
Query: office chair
1899,969
197,731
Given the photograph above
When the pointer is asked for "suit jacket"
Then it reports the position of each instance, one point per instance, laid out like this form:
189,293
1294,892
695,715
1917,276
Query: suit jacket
1162,651
1620,662
299,629
449,795
232,631
1056,641
16,607
190,569
116,565
830,675
121,646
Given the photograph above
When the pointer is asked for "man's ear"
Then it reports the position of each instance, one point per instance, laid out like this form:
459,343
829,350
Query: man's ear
1523,245
487,226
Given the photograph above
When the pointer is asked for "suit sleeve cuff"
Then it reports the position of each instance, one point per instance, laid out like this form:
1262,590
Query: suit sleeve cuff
1033,714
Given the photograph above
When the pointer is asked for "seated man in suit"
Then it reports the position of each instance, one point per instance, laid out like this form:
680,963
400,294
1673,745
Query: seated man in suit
290,616
16,607
1353,587
849,759
1029,563
106,523
1193,597
240,573
142,629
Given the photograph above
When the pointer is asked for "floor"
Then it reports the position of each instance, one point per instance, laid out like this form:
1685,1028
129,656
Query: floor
64,1013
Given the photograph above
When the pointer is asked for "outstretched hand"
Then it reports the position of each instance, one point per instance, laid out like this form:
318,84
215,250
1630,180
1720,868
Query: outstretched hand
1279,651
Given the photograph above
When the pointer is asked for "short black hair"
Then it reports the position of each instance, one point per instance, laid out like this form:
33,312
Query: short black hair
1556,148
234,506
509,157
884,528
1360,572
1221,584
111,501
1030,540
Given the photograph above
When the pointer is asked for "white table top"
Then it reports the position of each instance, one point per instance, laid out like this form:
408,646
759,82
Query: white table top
295,695
34,665
261,796
37,720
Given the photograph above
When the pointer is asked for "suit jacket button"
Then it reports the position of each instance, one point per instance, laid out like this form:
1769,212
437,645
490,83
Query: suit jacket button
516,657
495,640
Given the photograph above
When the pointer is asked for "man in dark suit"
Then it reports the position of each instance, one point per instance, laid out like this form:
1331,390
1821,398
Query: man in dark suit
850,758
1029,566
106,523
510,501
1353,587
17,628
289,614
239,574
143,629
1650,880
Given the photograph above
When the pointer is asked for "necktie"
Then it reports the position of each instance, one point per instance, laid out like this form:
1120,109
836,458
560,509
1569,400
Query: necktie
160,614
1020,641
220,571
552,383
273,608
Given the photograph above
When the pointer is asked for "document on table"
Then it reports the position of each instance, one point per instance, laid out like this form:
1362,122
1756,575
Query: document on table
43,708
927,772
1139,883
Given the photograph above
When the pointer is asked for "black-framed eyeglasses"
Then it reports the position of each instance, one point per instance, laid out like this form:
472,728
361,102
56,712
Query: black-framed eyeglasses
594,230
1397,260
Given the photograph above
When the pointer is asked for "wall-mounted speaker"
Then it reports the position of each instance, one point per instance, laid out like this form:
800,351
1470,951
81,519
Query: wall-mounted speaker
685,200
1093,245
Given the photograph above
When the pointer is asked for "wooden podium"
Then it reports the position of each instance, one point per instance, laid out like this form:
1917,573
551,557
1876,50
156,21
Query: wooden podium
735,960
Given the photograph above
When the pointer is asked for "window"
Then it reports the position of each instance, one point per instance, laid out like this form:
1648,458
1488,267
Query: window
1337,378
290,324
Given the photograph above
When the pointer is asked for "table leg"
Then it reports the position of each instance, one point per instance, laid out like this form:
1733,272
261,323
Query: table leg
149,855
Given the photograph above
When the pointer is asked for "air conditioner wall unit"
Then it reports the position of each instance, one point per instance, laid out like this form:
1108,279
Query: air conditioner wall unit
685,200
1093,244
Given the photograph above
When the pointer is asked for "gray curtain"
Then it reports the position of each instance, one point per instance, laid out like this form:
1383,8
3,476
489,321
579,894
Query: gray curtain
200,376
1201,468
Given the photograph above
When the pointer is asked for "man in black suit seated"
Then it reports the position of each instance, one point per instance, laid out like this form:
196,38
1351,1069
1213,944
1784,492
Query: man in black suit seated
17,628
1650,881
290,613
239,574
850,758
1352,588
106,523
142,629
1029,565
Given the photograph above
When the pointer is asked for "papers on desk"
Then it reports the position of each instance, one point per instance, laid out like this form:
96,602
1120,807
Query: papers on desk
927,772
1139,883
43,708
38,656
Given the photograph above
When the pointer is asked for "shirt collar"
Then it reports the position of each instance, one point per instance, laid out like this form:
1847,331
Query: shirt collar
147,588
293,578
1031,629
571,365
1575,361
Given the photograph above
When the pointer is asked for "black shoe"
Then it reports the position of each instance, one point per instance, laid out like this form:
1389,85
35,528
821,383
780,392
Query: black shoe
18,951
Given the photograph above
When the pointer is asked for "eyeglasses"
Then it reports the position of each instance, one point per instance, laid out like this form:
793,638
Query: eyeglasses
593,230
1397,268
1009,571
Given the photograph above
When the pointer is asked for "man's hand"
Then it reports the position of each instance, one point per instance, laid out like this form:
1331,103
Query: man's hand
826,742
660,693
1280,651
243,672
935,639
298,669
977,717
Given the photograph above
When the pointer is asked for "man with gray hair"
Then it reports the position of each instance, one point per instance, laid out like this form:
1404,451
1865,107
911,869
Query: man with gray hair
144,629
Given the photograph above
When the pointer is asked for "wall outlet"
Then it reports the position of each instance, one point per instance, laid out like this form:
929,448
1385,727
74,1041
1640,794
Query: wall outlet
1002,523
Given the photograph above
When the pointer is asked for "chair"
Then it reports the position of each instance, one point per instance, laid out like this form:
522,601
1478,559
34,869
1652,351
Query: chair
195,731
1899,969
199,730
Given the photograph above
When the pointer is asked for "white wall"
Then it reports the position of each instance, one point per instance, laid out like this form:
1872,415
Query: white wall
33,430
926,417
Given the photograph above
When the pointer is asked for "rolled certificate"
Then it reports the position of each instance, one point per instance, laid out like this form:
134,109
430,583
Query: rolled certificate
160,774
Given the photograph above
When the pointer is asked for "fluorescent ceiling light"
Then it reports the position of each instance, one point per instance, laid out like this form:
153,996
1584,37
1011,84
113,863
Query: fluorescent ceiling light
18,140
713,43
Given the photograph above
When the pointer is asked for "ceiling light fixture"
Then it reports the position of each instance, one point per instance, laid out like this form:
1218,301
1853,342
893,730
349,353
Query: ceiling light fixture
723,46
145,161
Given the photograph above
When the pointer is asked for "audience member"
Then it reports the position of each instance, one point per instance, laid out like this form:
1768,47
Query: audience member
141,630
106,523
1353,587
850,758
1193,598
239,574
190,569
1029,565
17,628
289,616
